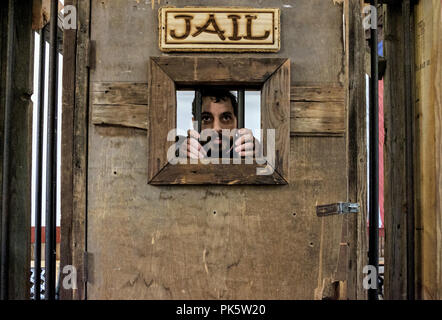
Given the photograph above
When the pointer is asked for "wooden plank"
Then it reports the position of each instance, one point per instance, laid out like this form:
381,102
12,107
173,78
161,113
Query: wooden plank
317,93
76,100
310,118
357,152
134,116
67,136
116,93
20,153
318,110
120,103
223,174
395,197
232,71
80,153
428,61
161,119
275,113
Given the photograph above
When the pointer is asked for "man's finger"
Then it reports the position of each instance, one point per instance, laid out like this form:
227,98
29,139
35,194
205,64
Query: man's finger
194,143
193,151
243,139
244,131
247,153
247,146
193,134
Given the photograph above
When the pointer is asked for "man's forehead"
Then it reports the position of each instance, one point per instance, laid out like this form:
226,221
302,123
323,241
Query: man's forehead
212,104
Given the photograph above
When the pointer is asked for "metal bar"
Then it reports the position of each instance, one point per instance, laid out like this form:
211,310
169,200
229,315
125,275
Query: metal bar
373,242
241,108
51,166
409,165
39,166
198,107
6,154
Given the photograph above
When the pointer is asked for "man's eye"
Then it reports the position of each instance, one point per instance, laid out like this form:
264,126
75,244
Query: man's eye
206,118
227,117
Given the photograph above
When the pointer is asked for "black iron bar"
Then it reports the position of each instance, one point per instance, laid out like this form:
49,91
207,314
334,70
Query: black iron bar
241,108
198,107
51,167
39,165
4,279
373,243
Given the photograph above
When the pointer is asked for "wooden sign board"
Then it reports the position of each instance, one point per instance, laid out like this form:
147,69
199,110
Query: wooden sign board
219,29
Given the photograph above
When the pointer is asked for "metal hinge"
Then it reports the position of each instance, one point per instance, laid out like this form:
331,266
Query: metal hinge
90,54
337,208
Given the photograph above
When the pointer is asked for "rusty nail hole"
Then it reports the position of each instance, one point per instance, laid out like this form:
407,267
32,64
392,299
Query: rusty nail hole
115,172
294,214
311,244
214,211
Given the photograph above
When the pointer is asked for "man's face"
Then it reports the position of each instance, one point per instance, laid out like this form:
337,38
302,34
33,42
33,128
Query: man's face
217,116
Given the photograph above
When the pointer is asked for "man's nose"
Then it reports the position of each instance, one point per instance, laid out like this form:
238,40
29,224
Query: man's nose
217,126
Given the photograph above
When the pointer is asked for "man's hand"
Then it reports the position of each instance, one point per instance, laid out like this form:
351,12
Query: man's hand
246,145
192,148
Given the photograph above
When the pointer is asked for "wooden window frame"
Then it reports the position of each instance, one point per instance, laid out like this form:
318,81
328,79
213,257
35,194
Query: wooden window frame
272,75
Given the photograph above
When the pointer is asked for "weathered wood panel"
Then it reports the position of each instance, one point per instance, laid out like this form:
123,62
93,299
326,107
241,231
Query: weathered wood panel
395,183
74,168
356,236
123,104
16,227
322,93
428,61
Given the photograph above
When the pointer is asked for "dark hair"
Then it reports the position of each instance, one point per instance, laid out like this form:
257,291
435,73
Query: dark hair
219,94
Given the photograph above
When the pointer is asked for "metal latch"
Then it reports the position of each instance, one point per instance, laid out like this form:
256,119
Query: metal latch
337,208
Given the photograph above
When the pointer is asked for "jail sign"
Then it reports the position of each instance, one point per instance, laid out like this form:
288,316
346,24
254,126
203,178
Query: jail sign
219,29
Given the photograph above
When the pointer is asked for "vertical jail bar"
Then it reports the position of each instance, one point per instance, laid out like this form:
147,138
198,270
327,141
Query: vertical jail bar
198,107
6,154
50,254
39,166
241,108
373,243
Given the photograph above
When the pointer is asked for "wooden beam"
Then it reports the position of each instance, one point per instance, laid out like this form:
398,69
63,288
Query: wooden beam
244,71
395,197
356,236
20,156
75,148
314,110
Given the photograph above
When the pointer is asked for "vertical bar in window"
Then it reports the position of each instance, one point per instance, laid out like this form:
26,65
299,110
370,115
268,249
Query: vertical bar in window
198,107
51,173
39,166
241,108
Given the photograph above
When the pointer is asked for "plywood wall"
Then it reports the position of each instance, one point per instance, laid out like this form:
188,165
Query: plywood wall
428,19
